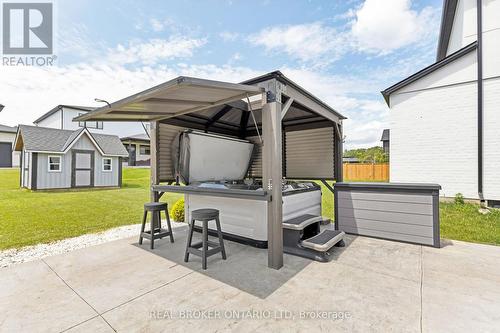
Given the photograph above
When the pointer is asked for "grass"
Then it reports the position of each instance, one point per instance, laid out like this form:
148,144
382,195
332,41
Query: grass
464,222
32,217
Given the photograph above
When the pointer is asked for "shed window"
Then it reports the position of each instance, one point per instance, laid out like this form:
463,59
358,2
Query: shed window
106,164
144,150
54,163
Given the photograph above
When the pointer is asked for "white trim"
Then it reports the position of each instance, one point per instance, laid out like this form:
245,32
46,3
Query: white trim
14,144
110,164
62,153
45,152
86,131
60,163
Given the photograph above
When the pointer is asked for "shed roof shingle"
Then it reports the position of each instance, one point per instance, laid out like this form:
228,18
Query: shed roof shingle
55,140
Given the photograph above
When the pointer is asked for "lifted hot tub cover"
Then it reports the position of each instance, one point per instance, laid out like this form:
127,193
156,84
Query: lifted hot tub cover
201,157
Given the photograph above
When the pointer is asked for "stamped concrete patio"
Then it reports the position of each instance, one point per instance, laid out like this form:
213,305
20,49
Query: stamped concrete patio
371,284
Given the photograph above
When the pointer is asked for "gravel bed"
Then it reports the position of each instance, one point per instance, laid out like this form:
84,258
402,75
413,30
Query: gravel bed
34,252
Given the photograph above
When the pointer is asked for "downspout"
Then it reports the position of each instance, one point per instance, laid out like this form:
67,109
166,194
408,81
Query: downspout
480,101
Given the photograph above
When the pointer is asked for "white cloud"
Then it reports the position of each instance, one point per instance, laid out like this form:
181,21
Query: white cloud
29,92
155,50
229,36
366,117
161,25
313,42
79,84
381,26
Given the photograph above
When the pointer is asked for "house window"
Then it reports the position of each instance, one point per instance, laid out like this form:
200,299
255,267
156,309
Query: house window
90,124
54,163
106,164
144,150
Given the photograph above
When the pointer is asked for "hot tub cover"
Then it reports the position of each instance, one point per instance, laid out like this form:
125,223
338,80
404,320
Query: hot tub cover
201,157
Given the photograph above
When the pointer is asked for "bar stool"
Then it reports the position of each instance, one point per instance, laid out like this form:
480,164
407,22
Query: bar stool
156,232
204,215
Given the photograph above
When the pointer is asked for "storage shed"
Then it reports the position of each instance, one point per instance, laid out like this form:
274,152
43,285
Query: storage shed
53,158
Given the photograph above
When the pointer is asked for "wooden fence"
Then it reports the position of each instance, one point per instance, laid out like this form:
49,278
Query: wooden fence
366,172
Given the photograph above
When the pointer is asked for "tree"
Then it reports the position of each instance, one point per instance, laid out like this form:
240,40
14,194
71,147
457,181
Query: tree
368,155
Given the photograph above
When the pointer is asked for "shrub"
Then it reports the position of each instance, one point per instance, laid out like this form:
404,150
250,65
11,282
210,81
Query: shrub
177,211
459,199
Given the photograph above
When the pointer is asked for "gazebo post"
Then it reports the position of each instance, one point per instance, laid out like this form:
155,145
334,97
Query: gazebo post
338,160
272,176
155,172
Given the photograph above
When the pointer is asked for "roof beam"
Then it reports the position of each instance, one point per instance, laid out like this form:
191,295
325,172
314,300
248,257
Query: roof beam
140,113
240,91
243,123
201,108
239,104
217,116
163,101
198,126
313,105
285,107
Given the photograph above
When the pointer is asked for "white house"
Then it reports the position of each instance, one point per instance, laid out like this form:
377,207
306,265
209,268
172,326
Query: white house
61,117
445,119
138,149
8,158
53,158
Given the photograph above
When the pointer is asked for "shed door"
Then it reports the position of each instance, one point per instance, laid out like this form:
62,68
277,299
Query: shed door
5,154
82,174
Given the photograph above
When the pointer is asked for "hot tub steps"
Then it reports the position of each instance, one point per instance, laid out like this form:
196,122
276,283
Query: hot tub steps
324,240
302,236
302,221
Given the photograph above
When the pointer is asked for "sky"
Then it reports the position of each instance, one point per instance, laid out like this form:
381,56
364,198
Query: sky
344,52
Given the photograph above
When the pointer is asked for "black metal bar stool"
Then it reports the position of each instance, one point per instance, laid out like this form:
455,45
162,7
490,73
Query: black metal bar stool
204,215
156,231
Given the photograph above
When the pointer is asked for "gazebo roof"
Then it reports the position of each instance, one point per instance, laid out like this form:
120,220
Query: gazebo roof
219,107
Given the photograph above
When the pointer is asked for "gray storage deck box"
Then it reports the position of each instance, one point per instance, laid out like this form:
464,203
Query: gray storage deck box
396,211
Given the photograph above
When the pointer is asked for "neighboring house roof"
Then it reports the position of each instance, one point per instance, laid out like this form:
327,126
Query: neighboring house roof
427,70
8,129
136,137
385,135
43,139
61,107
447,17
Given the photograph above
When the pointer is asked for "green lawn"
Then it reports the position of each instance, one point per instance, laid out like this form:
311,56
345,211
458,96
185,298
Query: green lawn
464,222
28,217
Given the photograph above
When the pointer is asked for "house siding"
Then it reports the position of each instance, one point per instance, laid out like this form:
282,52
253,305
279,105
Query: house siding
26,174
491,142
434,138
54,180
463,31
434,128
52,121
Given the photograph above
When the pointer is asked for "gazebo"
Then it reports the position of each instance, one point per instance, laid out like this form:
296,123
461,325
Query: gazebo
297,135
